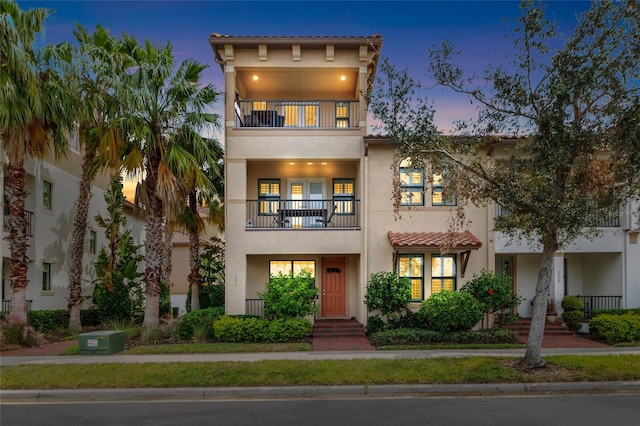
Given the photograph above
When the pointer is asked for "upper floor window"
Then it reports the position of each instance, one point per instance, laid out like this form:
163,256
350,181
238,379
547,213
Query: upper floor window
438,196
46,276
412,267
92,241
411,184
47,195
344,195
443,272
268,196
342,114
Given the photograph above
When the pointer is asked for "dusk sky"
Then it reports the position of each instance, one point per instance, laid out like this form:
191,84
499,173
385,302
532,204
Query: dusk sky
483,30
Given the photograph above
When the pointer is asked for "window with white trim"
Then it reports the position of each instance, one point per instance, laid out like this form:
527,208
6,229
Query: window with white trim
46,276
93,236
47,194
291,267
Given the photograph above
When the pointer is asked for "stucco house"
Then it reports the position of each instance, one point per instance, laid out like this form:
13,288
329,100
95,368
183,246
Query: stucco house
52,187
308,188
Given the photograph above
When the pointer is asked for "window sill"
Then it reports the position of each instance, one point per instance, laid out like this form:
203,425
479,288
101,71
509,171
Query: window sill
47,293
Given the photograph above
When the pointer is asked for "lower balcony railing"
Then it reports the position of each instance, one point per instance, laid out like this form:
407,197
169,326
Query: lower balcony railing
6,305
303,214
600,217
591,303
28,217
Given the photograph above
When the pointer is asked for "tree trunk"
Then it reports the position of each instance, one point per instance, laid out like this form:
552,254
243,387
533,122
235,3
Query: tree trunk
194,263
533,355
77,243
17,223
194,255
154,247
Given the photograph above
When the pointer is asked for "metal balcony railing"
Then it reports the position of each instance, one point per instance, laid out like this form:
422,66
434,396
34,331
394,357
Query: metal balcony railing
28,217
298,114
600,217
303,214
6,305
592,303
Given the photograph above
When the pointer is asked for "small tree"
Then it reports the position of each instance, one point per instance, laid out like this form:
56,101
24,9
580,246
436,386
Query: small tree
493,291
288,296
388,293
118,291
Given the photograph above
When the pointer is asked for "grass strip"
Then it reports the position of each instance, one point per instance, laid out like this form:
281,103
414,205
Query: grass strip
562,368
210,348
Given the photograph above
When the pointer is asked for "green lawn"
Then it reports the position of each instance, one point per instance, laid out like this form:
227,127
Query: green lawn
562,368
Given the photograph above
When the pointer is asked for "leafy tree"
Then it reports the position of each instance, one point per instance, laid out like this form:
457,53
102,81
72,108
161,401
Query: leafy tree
166,112
573,113
93,81
118,291
33,117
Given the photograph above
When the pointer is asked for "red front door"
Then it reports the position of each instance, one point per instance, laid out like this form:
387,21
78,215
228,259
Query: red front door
334,301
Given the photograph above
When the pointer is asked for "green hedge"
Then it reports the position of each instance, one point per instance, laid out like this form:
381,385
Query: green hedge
415,336
597,312
57,319
616,328
450,311
260,330
203,318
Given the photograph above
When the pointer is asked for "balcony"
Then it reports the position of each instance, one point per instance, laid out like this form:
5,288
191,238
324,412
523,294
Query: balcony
599,217
298,114
303,214
28,217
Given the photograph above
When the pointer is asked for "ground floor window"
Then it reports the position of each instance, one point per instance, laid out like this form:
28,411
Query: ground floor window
46,276
443,272
291,267
412,267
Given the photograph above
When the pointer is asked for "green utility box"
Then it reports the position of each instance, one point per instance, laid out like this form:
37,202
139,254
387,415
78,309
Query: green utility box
101,343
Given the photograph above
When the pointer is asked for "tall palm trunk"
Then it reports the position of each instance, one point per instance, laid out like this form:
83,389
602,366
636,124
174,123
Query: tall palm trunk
77,242
17,241
533,355
153,245
194,254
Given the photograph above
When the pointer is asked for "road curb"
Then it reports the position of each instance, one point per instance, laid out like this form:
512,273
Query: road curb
311,392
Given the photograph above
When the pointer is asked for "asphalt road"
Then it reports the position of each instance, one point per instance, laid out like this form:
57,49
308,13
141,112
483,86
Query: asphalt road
535,410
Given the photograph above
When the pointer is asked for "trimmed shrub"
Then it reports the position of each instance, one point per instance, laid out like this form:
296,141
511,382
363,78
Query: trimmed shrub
374,325
201,319
616,328
620,311
572,303
48,320
413,336
260,330
388,293
410,319
287,296
451,311
572,316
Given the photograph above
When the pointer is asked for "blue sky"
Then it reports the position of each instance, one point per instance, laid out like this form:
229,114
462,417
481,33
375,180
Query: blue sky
481,29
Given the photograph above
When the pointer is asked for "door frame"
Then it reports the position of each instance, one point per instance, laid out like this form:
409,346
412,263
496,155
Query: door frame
323,264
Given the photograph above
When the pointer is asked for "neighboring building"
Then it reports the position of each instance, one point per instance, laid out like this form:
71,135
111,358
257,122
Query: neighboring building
52,187
306,188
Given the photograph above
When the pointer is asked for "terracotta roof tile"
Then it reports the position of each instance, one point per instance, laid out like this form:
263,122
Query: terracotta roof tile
434,239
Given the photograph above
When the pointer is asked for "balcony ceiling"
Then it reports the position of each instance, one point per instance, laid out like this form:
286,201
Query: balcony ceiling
299,83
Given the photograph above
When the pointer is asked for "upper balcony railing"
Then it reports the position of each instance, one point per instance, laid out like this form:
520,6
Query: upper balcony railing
298,114
599,217
303,214
28,217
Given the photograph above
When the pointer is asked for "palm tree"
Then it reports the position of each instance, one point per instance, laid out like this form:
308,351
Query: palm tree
166,110
32,116
94,83
191,220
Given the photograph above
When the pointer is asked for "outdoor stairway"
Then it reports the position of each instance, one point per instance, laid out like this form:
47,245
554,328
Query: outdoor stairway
523,325
339,335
